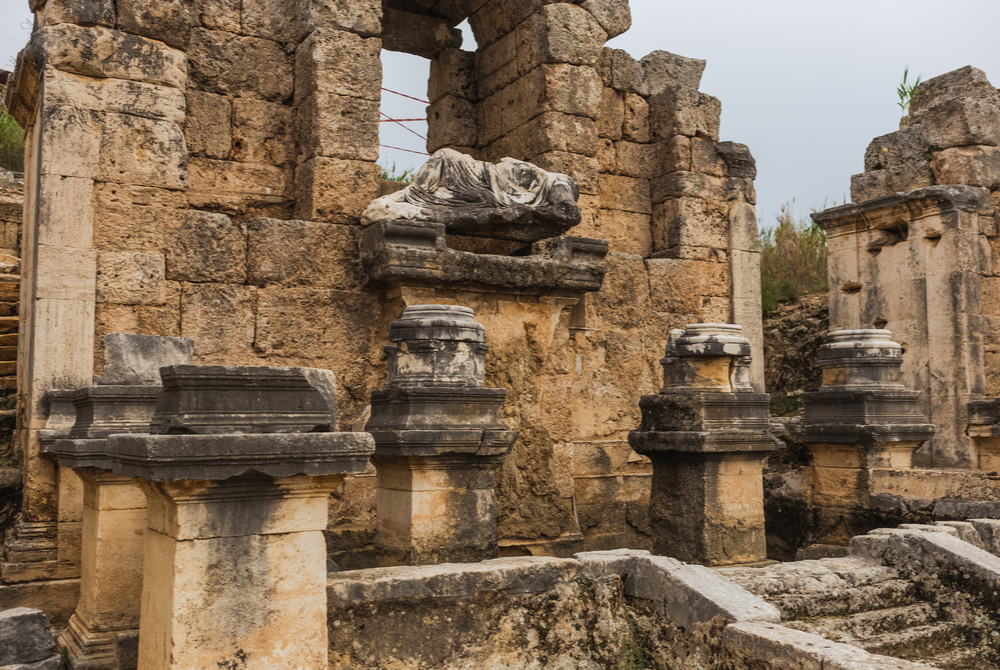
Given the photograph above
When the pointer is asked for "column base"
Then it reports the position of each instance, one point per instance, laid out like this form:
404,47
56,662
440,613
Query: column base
89,649
32,554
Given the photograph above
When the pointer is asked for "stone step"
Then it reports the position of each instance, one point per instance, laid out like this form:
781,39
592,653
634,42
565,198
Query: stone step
867,625
810,576
844,602
9,324
919,643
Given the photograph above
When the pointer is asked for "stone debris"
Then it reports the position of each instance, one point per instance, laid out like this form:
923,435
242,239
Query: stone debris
26,641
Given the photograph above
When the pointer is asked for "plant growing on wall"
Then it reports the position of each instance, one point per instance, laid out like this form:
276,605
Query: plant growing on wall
11,143
906,90
792,260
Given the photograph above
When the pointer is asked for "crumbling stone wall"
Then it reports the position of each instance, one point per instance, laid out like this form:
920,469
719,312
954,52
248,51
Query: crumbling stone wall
917,253
200,169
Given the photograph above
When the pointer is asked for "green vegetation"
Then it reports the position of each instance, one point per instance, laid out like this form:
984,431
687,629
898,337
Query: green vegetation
11,143
906,90
792,260
392,174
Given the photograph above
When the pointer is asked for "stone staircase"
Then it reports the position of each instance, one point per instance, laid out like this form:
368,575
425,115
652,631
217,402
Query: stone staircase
861,602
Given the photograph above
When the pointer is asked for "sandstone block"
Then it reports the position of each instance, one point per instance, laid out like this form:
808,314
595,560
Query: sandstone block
236,65
169,21
274,254
130,277
496,65
206,247
680,285
79,12
220,319
673,154
615,16
961,122
363,17
690,222
636,122
624,193
560,33
337,126
65,212
136,359
682,111
101,52
688,184
334,189
966,82
141,151
872,184
153,101
453,72
635,160
625,232
623,301
275,20
452,122
417,34
550,131
572,89
896,149
743,228
164,319
972,166
208,127
132,217
705,158
63,127
262,132
620,71
584,169
236,187
662,70
611,114
740,163
492,20
336,61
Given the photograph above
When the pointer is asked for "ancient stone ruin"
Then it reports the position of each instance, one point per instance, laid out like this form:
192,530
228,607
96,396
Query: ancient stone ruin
273,413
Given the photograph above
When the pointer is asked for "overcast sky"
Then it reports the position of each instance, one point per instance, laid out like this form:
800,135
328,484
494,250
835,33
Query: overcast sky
806,84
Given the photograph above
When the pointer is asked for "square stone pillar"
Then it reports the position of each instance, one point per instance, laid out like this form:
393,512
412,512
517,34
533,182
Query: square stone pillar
238,478
861,420
706,433
440,440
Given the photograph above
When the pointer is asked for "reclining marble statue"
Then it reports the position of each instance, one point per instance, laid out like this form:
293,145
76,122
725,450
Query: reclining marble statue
509,200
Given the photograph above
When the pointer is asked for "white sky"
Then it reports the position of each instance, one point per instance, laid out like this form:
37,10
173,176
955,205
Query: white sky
806,84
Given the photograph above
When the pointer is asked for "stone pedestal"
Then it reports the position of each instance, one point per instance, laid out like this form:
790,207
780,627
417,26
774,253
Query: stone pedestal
439,439
234,567
984,429
861,420
706,433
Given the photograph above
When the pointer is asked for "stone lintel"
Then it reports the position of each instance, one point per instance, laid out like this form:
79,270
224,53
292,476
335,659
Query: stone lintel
708,443
889,210
866,434
441,442
217,457
219,399
415,253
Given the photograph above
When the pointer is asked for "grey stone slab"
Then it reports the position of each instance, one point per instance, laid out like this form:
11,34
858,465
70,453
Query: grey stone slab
25,636
216,457
136,359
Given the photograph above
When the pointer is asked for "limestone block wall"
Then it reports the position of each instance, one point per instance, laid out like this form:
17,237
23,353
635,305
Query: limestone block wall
917,254
198,169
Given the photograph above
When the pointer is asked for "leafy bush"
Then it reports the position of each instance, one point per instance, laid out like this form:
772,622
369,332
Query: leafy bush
11,143
792,260
391,174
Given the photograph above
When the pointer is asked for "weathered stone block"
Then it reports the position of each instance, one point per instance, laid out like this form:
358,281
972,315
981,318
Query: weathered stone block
25,638
740,163
453,72
681,286
873,184
682,111
334,189
221,15
615,16
972,166
496,65
153,101
141,151
960,122
101,52
220,318
206,247
896,149
228,64
274,254
136,359
620,71
236,187
169,21
208,127
550,131
130,277
262,132
363,17
63,127
625,232
560,33
417,34
705,157
611,114
625,193
636,122
966,82
451,122
689,184
583,169
690,222
340,62
570,89
165,319
662,70
79,12
275,20
132,217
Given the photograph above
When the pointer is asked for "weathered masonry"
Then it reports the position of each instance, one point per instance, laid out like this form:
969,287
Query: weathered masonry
200,170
